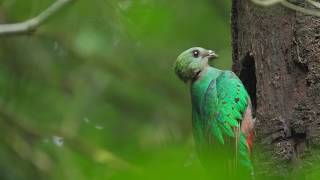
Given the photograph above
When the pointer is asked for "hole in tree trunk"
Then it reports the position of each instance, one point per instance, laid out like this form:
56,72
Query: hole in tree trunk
248,78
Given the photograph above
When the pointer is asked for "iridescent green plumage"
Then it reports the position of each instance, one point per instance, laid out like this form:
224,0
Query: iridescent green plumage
219,104
219,101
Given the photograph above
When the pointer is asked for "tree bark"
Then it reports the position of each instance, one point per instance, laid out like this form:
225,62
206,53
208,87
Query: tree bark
276,53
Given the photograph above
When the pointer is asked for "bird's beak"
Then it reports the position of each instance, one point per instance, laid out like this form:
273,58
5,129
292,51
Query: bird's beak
211,55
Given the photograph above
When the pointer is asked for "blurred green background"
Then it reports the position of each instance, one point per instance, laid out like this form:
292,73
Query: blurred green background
92,94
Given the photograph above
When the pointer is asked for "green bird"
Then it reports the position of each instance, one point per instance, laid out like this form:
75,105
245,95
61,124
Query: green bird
222,122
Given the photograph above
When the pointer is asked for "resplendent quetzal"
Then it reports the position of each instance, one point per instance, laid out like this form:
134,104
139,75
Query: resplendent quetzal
221,112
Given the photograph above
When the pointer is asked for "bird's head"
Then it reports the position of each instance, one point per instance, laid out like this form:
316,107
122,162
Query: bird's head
192,62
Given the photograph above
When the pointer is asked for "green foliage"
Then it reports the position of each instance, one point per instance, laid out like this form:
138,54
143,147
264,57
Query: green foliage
92,94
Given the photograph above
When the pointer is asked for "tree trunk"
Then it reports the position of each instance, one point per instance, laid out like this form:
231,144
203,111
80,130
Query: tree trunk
276,53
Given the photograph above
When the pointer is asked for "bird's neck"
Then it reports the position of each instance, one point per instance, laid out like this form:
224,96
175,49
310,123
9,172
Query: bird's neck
207,74
199,86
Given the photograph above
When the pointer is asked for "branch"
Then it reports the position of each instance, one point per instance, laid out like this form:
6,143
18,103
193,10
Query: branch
266,2
33,23
291,6
315,3
300,9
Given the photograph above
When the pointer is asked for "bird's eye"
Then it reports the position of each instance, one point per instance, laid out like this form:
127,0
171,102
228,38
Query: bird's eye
196,53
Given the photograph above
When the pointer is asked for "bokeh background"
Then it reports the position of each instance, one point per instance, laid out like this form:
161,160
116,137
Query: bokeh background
92,94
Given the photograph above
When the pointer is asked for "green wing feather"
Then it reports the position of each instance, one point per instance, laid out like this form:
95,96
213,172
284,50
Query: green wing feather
223,106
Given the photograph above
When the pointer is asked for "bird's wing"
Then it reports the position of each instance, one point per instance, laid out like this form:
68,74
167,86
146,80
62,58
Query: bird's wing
224,104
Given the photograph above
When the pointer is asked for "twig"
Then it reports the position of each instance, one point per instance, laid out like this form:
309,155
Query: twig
32,24
315,3
291,6
266,2
300,9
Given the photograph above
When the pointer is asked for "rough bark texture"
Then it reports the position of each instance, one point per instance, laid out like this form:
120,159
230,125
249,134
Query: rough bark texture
276,53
